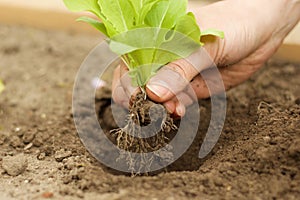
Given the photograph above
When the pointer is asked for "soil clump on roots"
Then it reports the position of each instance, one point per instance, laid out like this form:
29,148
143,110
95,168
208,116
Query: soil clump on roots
149,128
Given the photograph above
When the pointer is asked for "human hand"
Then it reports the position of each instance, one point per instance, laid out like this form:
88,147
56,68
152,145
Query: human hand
253,32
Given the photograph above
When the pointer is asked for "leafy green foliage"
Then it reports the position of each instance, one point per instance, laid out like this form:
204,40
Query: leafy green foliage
147,34
2,87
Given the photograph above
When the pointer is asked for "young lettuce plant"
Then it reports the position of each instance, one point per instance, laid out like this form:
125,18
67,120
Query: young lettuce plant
147,34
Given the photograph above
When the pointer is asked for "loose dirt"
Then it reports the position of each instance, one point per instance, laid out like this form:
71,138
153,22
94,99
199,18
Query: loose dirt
257,156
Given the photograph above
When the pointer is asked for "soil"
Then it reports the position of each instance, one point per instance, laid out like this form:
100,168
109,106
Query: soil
257,156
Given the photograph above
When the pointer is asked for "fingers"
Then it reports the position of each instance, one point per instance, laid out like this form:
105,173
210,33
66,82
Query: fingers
172,81
175,76
210,83
169,81
166,83
122,89
177,94
118,93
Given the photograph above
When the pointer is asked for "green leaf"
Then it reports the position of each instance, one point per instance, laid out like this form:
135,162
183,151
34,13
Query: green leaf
110,28
142,57
2,87
142,7
147,34
96,24
157,15
187,25
141,75
139,4
140,38
91,6
164,14
213,32
180,46
83,5
118,13
152,48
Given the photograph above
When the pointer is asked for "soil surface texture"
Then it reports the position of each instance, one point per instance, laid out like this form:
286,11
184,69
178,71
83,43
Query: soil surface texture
42,157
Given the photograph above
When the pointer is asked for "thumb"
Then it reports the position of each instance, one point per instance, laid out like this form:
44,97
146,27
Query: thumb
166,83
175,76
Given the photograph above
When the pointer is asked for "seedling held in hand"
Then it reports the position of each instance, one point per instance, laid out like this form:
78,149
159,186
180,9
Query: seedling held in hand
147,34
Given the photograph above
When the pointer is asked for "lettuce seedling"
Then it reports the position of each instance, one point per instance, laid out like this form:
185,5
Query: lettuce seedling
146,34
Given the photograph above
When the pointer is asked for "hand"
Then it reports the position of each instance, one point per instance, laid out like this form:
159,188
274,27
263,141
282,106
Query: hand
254,30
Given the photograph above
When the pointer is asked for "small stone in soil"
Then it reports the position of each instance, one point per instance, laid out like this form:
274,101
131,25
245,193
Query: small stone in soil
15,142
17,129
28,136
14,165
67,179
70,164
3,138
294,149
40,138
267,139
27,147
60,166
41,156
48,150
297,101
62,154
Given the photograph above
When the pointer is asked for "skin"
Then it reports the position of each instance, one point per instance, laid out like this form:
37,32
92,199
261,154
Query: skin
254,30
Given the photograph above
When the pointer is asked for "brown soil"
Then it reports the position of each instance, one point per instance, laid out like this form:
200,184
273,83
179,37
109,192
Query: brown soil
257,156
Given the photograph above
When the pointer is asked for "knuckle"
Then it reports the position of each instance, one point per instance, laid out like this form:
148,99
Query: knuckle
184,68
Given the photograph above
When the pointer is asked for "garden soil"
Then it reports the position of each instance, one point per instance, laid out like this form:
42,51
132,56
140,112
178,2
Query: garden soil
42,157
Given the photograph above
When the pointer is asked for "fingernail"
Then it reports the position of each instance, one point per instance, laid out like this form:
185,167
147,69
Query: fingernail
180,110
158,90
